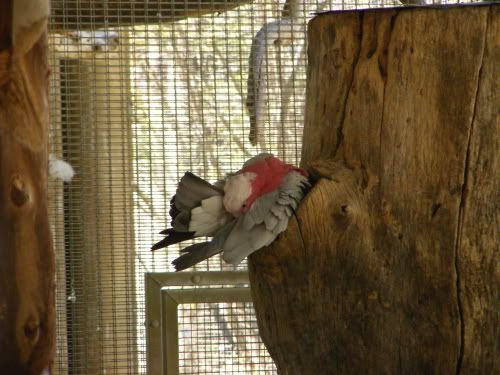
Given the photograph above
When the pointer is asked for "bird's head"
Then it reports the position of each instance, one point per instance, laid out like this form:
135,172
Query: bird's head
237,193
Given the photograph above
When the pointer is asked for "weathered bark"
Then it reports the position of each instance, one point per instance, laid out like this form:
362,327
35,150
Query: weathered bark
392,263
70,15
27,318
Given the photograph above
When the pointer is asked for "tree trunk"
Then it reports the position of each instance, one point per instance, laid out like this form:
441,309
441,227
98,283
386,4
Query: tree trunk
392,265
27,318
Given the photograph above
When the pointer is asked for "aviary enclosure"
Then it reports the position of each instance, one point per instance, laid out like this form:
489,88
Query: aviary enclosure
391,263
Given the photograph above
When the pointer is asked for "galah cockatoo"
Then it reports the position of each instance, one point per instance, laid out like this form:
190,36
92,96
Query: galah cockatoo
242,213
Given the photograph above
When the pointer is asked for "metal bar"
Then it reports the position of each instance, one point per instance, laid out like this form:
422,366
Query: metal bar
159,307
209,295
170,338
153,324
166,279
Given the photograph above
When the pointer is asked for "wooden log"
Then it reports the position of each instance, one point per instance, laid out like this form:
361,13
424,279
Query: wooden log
69,15
27,318
392,263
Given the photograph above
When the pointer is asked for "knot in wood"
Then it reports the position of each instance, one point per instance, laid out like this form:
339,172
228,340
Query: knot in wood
32,330
18,193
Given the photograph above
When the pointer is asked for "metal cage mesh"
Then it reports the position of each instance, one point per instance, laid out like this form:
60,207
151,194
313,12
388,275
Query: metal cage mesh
141,93
221,338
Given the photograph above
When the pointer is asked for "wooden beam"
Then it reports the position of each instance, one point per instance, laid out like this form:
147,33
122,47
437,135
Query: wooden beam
392,264
68,15
27,318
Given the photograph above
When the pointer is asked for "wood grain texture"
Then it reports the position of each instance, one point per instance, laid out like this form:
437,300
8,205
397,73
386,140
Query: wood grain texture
391,265
478,242
27,317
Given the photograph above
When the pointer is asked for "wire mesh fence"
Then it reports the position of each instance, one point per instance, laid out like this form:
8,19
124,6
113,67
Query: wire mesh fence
221,339
141,92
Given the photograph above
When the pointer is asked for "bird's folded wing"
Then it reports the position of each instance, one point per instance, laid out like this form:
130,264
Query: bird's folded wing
260,209
266,219
242,242
198,252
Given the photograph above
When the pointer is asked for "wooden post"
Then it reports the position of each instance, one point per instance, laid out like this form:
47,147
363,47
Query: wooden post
392,264
27,318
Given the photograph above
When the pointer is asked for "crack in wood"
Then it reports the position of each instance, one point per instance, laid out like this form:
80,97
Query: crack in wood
385,51
462,205
340,129
320,299
300,232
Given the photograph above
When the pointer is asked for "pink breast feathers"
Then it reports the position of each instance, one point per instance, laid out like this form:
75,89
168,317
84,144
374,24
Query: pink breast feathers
270,173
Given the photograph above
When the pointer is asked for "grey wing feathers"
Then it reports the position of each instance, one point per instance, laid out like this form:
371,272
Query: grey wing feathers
237,239
199,252
242,242
191,190
195,254
293,189
266,219
259,210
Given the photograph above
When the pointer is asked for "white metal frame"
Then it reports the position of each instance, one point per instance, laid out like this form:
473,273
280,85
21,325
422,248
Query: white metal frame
161,309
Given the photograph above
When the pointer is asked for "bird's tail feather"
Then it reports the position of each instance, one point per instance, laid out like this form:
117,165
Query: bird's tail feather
192,190
172,237
195,254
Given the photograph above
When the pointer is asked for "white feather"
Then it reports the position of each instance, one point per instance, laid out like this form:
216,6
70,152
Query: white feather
237,190
201,216
208,217
213,205
203,229
60,169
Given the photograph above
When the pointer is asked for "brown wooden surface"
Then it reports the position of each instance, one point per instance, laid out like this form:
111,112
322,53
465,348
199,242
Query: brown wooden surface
392,265
70,15
27,316
478,242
